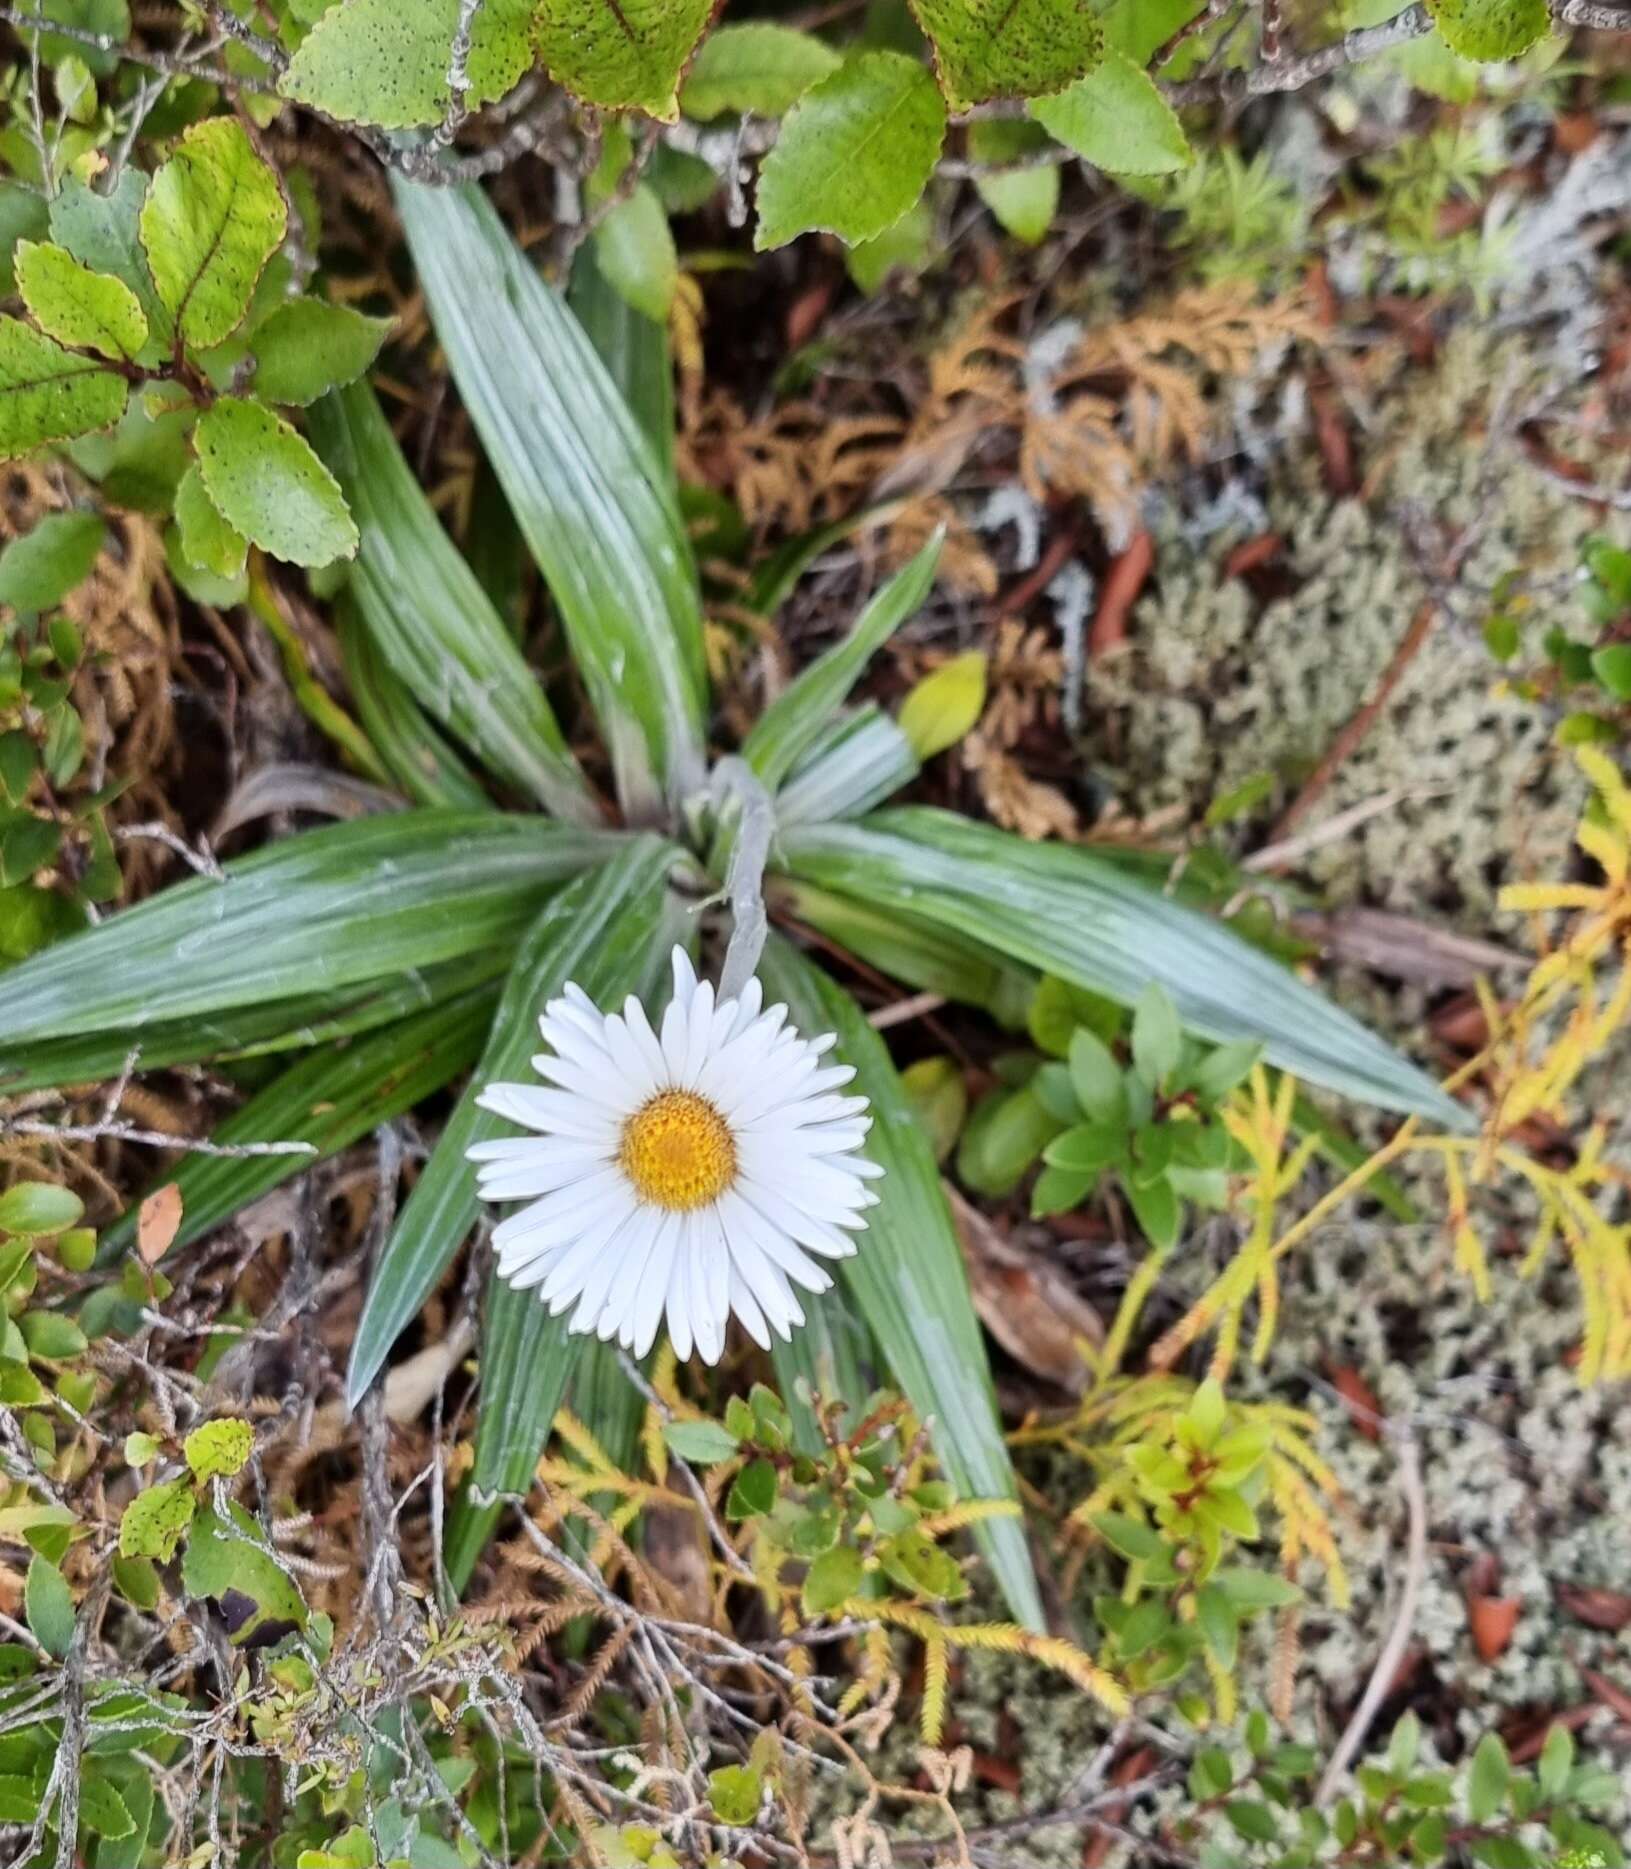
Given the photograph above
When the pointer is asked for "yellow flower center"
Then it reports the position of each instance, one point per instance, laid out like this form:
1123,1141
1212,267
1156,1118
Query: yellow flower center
678,1151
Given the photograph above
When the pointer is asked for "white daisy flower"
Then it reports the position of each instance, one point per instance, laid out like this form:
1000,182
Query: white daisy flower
691,1175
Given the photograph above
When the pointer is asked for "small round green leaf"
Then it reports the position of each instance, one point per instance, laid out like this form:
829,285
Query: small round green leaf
51,394
1490,30
1009,48
219,1449
308,347
36,1207
155,1519
49,1605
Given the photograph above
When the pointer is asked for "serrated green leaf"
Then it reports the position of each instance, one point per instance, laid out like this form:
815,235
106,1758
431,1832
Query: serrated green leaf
600,933
911,1284
214,215
432,622
378,62
1009,48
153,1522
589,493
1556,1760
51,1337
48,1604
102,1810
1116,119
50,394
1081,917
103,232
793,722
1490,30
1023,198
854,153
905,246
265,480
41,566
91,310
208,540
332,907
623,57
308,347
757,67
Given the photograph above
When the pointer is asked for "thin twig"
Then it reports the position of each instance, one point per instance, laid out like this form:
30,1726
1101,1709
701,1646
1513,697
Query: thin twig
152,1138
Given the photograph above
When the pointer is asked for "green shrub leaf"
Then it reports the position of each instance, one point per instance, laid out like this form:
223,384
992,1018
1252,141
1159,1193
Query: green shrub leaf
1009,48
55,555
219,1449
1489,1779
1490,30
103,232
155,1519
703,1443
945,705
758,66
49,1605
207,540
1116,119
265,480
50,394
379,62
1023,200
635,247
37,1208
91,310
855,151
308,346
226,1556
214,215
623,57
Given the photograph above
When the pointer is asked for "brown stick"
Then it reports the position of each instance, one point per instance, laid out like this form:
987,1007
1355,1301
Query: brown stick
1362,722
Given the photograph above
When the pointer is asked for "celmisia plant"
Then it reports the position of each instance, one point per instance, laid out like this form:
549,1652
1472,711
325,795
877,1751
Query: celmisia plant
693,1156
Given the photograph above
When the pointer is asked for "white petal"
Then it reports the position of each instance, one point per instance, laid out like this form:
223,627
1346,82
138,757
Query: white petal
677,1302
646,1313
743,1304
552,1112
646,1040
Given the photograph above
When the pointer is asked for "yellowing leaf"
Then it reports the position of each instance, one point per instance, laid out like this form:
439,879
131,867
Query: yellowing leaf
945,705
91,310
49,394
626,56
155,1519
219,1449
214,215
1009,48
1488,30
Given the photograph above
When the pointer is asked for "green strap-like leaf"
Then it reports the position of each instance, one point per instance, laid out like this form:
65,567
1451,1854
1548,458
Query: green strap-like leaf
908,1279
1060,908
587,490
598,932
528,1358
860,760
414,752
247,1031
431,620
634,349
794,720
326,909
826,1354
329,1099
